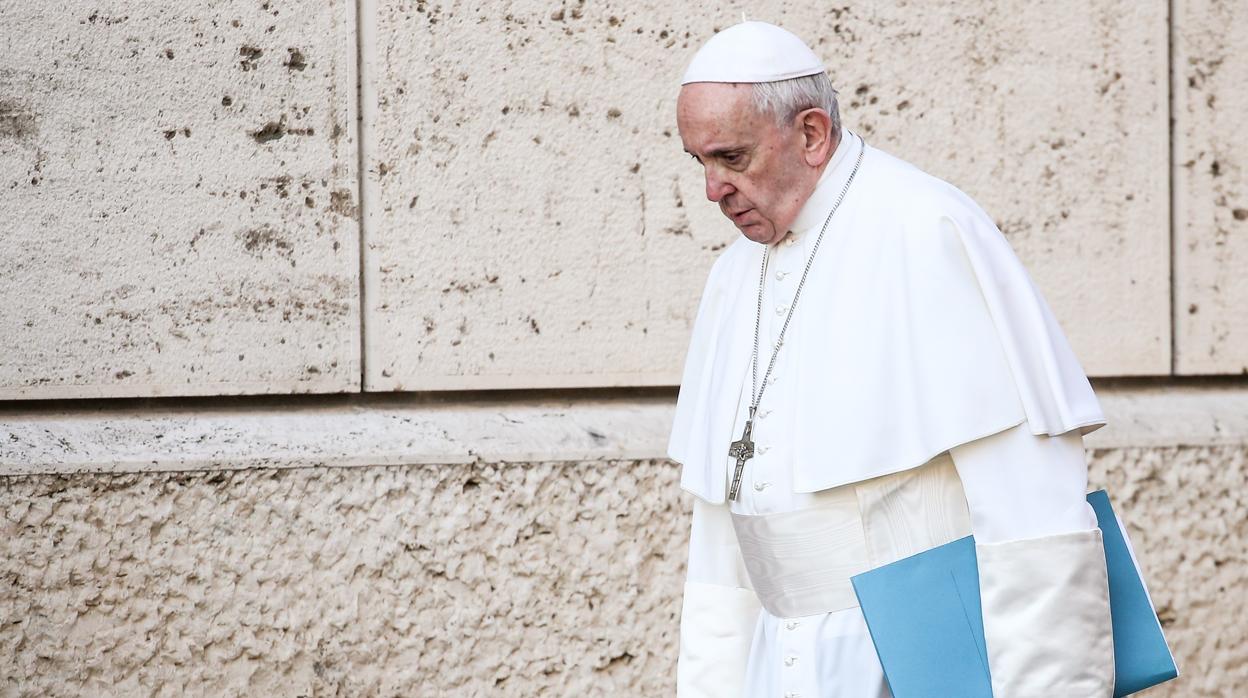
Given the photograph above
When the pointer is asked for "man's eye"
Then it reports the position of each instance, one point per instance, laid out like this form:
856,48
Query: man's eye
733,158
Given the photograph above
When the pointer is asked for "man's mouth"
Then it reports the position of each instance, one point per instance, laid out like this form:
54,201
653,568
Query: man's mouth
736,217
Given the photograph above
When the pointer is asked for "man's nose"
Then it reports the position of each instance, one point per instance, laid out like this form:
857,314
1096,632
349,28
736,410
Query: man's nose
716,187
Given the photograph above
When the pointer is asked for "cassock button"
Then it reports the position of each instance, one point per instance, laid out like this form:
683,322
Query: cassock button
771,379
762,449
792,694
781,309
780,275
760,486
790,240
762,413
790,660
791,625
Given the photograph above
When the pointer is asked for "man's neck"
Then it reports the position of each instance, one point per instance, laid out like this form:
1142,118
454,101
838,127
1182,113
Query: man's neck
821,197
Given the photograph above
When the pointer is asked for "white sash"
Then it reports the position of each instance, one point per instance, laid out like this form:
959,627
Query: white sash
800,562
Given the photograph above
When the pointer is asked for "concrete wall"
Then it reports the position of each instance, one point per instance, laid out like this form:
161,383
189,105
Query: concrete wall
433,570
247,208
455,580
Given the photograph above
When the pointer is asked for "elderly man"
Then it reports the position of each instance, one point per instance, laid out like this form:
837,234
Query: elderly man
871,373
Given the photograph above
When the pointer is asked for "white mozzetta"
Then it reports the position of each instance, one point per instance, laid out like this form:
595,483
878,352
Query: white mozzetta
918,329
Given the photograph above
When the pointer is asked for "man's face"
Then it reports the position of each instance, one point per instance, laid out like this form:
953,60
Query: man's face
754,169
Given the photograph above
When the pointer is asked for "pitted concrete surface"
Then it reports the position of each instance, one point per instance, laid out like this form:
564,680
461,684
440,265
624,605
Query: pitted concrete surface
559,579
568,237
457,580
1211,187
179,199
1186,514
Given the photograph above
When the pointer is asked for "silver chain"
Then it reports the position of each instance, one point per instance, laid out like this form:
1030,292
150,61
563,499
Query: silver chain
762,276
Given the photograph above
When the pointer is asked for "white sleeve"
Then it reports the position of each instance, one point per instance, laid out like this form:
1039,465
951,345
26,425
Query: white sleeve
1043,583
1020,485
720,609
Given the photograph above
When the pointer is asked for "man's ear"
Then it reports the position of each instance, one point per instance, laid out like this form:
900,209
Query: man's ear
817,137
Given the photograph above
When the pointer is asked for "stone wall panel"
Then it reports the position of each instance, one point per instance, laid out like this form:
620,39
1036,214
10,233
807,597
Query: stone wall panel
1211,187
179,214
538,225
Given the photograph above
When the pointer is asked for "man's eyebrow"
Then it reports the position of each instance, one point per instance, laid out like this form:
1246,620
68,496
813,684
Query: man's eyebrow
724,152
720,152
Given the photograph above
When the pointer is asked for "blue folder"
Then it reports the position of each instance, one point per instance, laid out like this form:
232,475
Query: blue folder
924,616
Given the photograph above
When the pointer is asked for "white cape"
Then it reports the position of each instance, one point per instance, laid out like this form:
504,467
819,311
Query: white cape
918,330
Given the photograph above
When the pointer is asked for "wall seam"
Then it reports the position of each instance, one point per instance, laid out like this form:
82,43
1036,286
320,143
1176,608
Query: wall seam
365,18
1170,185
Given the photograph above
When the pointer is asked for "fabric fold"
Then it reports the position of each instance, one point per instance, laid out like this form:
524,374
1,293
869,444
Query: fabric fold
1046,616
716,631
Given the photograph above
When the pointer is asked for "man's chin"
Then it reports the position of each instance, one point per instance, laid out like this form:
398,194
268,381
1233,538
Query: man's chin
756,231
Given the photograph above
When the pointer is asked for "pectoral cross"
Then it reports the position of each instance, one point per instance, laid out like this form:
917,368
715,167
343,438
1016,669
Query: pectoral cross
742,449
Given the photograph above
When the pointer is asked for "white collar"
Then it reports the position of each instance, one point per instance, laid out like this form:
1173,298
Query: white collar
816,208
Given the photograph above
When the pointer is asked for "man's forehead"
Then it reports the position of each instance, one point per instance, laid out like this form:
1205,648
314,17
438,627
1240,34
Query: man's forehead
714,104
713,116
712,95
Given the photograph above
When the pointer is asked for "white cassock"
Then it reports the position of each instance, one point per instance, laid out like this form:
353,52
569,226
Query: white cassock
924,392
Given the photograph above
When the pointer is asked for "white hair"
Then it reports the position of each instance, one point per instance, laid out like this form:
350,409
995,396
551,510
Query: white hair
783,99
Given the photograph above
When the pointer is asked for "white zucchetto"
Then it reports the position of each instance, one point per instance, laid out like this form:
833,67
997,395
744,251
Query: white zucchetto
752,52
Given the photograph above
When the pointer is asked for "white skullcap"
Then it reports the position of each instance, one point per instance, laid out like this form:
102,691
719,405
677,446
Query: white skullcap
752,52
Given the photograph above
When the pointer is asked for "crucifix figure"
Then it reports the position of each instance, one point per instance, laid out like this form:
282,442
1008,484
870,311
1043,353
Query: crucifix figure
742,449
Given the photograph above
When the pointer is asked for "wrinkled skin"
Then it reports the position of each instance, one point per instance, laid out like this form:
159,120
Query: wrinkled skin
759,173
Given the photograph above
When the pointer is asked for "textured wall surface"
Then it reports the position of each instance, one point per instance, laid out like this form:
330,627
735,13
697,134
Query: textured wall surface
1186,511
567,237
539,579
552,579
178,215
1211,187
